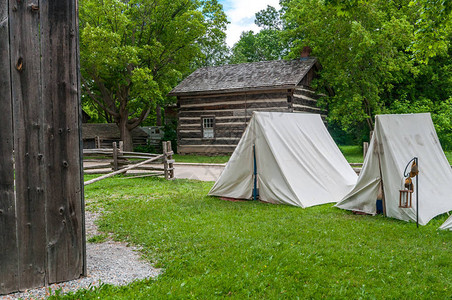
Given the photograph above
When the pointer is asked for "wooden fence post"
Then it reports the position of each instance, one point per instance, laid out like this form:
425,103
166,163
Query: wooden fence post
115,157
165,159
170,160
97,141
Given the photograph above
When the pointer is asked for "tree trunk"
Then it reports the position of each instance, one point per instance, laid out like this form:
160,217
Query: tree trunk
158,113
126,135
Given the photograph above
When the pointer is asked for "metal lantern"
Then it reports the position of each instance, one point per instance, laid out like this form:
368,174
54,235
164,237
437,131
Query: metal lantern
405,198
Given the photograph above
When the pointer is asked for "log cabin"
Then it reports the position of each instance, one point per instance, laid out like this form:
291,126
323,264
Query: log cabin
107,133
216,103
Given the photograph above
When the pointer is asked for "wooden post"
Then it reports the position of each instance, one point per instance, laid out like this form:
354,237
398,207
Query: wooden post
60,89
97,142
115,157
170,160
165,159
121,146
29,145
9,248
39,44
365,149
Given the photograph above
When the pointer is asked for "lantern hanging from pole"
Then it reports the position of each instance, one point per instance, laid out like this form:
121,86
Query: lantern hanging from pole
405,198
406,194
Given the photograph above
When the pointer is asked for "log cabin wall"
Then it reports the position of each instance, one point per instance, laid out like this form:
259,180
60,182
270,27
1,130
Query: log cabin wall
305,100
231,113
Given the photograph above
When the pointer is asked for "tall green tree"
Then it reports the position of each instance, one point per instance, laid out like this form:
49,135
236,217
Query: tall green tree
368,53
267,44
434,29
133,52
361,46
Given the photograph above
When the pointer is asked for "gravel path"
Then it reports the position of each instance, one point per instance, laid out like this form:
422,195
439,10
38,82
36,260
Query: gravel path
110,262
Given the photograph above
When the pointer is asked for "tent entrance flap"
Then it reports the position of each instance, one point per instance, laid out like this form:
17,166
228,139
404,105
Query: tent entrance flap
382,186
255,188
399,139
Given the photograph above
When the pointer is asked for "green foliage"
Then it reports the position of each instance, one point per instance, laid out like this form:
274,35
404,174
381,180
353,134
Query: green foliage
263,46
134,52
146,149
170,134
365,48
361,48
213,248
213,44
434,29
267,44
269,18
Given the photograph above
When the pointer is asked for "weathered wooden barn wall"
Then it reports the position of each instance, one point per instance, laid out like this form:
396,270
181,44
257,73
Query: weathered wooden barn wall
42,223
8,242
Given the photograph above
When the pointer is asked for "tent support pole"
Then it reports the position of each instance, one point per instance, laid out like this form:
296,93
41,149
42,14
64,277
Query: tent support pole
408,174
255,174
417,194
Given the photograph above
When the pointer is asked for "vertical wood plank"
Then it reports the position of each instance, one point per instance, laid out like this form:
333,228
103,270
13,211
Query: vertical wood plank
170,157
80,138
61,95
115,157
8,241
28,145
165,159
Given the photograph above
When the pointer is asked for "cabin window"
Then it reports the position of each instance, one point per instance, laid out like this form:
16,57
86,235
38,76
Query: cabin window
208,127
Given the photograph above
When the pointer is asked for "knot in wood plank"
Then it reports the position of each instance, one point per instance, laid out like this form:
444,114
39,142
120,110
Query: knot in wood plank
34,7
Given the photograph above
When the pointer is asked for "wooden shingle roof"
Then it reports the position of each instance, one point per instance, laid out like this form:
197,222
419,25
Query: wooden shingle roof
245,77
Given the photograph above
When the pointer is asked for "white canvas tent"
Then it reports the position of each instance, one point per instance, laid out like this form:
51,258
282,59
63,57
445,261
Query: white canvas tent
447,225
297,162
396,140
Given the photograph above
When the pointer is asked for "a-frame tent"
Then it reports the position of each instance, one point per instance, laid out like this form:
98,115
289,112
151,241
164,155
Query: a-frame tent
296,161
396,140
447,225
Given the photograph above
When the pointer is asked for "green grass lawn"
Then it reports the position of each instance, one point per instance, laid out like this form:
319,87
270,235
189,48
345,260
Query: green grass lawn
449,156
201,159
353,154
213,248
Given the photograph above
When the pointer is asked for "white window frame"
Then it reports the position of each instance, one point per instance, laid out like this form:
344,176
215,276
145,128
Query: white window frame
208,127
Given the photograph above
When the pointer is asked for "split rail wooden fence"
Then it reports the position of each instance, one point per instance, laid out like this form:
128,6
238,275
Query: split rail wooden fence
42,237
115,161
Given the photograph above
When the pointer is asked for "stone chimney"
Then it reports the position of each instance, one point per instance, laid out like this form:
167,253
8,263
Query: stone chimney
306,52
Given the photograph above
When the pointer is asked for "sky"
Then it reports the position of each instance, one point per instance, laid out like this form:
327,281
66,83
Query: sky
241,16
